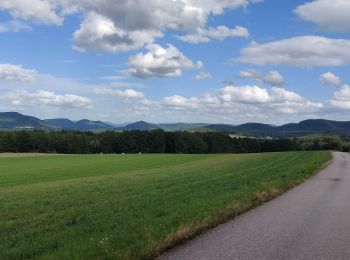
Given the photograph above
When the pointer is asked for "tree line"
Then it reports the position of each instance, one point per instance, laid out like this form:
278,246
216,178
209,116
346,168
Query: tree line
157,141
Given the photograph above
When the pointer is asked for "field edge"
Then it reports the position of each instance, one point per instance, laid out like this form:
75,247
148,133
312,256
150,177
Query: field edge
188,232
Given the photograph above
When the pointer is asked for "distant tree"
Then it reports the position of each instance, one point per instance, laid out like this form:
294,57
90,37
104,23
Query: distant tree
218,143
158,141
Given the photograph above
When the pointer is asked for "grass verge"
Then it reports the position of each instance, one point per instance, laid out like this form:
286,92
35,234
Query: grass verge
185,233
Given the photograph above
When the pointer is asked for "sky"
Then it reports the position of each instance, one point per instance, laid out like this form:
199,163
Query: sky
163,61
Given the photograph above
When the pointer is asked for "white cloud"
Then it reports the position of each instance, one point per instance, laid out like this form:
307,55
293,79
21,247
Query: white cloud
99,33
33,10
160,62
330,79
305,51
119,25
218,33
228,104
283,95
235,104
179,102
341,98
10,72
240,103
245,94
250,74
46,98
331,15
273,77
127,93
203,76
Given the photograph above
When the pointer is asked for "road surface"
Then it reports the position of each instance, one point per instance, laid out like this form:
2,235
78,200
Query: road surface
311,221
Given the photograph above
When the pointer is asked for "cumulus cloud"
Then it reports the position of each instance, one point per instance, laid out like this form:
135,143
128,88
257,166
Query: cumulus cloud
218,33
180,102
203,76
33,10
118,25
281,95
127,93
273,77
47,98
245,94
244,102
249,74
330,79
10,72
234,104
99,33
305,51
341,98
332,15
160,62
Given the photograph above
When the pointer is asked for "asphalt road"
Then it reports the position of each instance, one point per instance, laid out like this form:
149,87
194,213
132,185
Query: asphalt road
311,221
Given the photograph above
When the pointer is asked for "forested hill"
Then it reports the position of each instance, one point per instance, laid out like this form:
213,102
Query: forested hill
10,121
311,126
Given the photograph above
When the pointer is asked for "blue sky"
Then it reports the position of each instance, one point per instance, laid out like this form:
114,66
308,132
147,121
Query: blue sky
227,61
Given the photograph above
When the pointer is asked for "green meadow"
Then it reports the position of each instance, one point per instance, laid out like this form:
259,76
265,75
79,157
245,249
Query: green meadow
132,206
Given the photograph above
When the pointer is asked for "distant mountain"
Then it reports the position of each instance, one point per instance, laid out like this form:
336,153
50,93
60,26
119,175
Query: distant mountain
247,129
256,128
82,125
145,126
311,126
222,128
319,126
17,121
61,123
86,125
140,125
181,126
117,125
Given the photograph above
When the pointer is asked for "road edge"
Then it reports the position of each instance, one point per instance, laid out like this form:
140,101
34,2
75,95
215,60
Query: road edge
186,233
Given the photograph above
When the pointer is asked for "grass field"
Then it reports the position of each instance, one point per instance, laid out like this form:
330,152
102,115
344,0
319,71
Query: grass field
132,206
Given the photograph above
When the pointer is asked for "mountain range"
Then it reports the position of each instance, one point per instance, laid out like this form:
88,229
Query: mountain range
10,121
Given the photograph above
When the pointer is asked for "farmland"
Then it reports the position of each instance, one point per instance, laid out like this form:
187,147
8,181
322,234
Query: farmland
132,206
